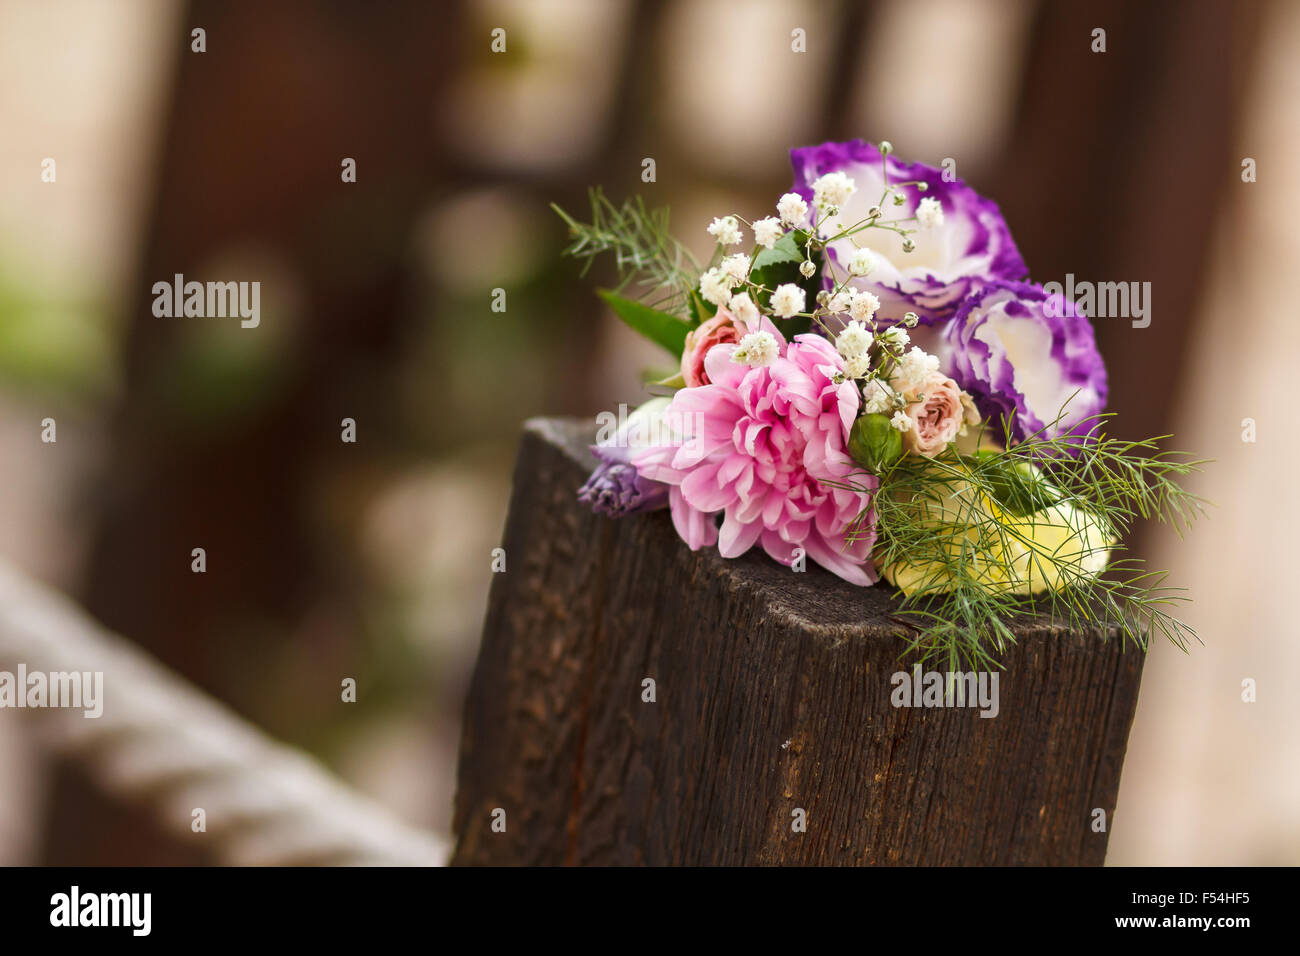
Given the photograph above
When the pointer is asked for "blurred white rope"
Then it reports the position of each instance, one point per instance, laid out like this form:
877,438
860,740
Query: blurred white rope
163,741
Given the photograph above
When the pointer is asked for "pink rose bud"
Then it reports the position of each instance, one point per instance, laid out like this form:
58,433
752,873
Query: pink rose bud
722,329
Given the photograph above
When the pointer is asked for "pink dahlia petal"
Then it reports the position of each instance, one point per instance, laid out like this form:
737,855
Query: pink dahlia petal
794,531
838,562
750,510
721,370
732,468
695,527
846,403
737,537
778,549
702,490
773,511
656,462
693,407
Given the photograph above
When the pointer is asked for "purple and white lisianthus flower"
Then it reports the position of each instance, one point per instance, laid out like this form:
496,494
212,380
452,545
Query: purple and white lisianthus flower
1021,352
962,243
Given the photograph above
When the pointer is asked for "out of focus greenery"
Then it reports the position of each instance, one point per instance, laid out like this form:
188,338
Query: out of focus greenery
53,344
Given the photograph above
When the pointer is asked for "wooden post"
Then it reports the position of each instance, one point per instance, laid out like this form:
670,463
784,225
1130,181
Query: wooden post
772,695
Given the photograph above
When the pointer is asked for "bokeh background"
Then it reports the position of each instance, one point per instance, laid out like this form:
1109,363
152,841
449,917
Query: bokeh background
372,560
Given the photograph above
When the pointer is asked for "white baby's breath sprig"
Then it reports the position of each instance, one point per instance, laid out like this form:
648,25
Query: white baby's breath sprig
768,231
877,397
736,267
861,262
819,226
793,209
726,230
832,190
895,337
854,340
858,366
929,212
788,300
715,286
864,305
756,349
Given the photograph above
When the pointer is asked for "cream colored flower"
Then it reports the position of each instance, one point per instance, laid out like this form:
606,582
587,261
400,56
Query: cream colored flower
1049,549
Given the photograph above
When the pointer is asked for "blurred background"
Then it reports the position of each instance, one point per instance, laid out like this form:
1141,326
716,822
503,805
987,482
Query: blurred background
372,559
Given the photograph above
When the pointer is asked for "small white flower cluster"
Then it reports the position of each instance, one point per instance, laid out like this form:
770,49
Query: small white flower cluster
895,375
895,337
839,302
855,340
863,305
793,210
717,283
929,213
833,189
736,267
788,300
767,232
877,397
854,344
861,262
913,369
715,286
906,381
756,349
726,230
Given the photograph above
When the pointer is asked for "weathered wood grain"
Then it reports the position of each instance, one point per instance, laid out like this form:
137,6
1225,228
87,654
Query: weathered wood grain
773,693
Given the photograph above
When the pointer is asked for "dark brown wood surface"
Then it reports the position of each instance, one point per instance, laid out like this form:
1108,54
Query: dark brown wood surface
772,694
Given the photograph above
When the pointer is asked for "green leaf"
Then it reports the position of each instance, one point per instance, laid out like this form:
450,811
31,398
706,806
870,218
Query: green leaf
780,264
667,330
700,310
787,249
674,381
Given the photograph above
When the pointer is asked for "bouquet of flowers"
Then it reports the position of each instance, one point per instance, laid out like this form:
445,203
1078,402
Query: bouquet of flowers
868,381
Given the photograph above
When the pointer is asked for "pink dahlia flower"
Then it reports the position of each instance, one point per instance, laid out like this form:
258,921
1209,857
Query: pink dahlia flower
757,446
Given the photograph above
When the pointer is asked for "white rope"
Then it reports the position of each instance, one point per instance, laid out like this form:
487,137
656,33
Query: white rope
163,741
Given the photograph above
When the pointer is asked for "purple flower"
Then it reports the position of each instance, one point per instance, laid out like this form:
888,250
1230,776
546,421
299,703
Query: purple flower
616,489
970,246
1019,351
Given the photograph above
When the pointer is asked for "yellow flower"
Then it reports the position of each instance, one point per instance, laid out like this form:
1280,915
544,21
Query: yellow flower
1004,551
